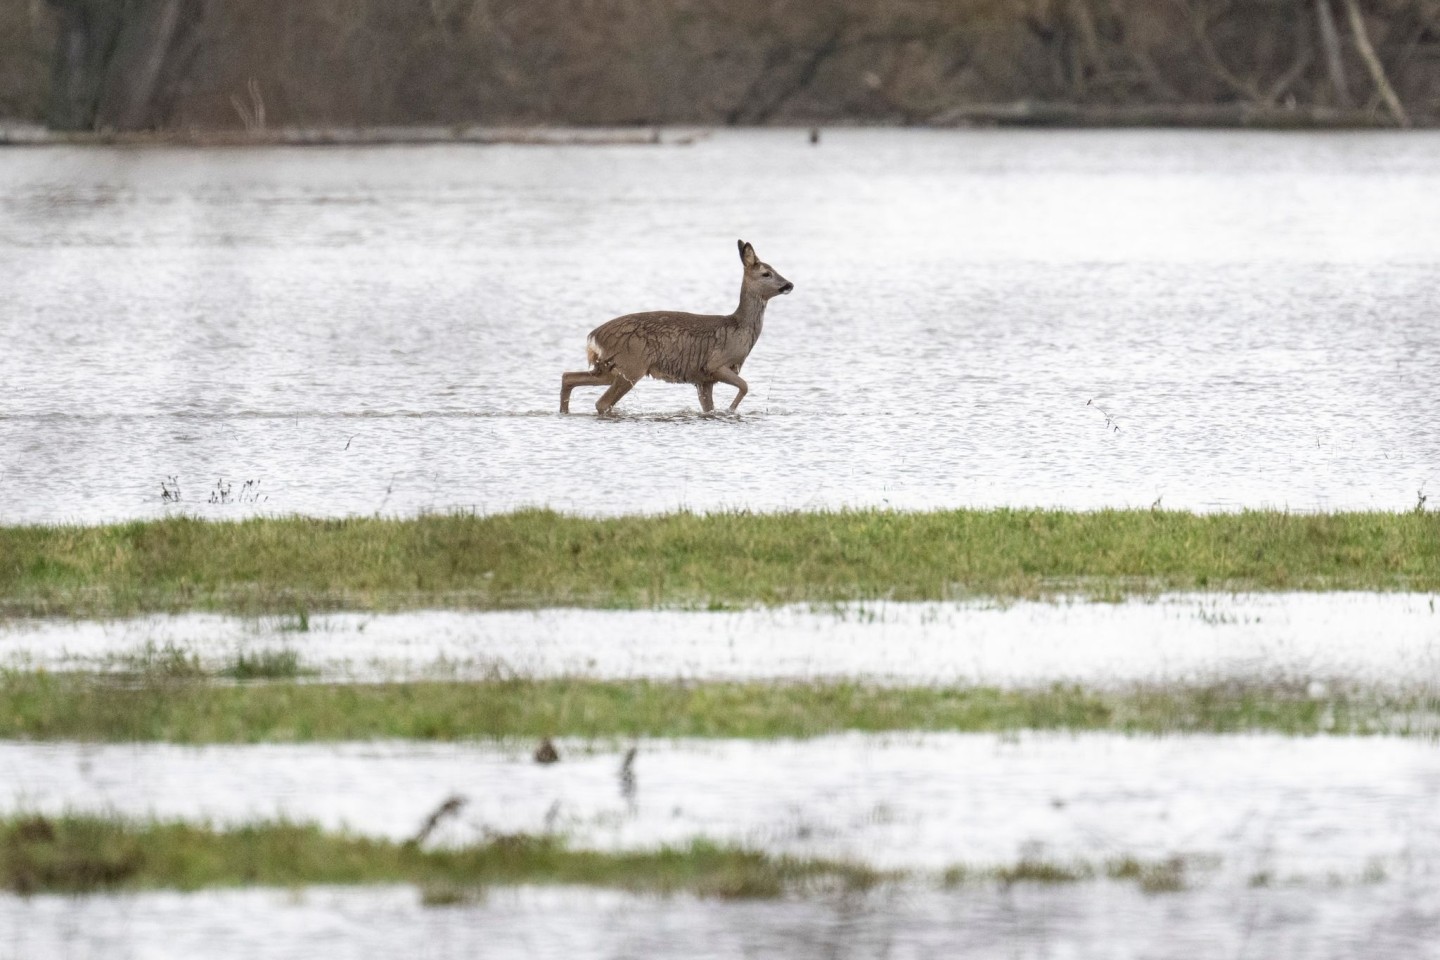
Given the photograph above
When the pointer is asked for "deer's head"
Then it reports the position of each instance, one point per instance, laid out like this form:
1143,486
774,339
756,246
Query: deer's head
760,276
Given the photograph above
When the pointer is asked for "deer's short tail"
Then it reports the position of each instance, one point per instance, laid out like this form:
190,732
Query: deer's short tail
595,356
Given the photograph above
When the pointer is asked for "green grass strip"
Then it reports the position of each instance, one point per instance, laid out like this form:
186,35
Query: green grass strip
78,707
541,558
85,854
79,854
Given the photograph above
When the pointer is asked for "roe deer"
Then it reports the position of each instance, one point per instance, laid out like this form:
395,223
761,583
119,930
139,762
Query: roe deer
679,347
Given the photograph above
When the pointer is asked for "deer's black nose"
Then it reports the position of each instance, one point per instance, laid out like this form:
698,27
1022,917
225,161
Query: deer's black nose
788,287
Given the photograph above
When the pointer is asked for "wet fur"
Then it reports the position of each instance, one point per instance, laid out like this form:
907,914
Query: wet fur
699,349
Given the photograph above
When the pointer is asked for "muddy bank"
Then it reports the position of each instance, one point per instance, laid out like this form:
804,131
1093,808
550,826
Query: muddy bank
181,64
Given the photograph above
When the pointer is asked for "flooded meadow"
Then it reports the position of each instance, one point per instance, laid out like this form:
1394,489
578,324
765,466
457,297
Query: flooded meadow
1384,641
1206,322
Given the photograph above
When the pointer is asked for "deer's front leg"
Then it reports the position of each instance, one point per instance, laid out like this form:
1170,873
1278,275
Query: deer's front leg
727,375
706,392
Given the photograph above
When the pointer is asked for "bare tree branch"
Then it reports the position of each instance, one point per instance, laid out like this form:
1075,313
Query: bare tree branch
1372,63
1295,71
1200,26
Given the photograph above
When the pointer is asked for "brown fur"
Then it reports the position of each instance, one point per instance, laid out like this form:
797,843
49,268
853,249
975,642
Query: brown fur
702,349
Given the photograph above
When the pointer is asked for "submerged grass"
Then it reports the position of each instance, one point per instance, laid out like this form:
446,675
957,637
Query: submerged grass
541,558
153,664
265,665
1164,876
88,707
83,854
79,854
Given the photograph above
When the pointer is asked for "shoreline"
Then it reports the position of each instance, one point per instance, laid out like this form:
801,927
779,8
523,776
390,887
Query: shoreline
1056,115
31,136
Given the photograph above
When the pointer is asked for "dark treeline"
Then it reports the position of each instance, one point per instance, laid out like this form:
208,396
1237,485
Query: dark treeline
227,64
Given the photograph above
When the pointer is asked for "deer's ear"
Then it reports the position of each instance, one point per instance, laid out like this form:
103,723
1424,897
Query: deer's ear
747,254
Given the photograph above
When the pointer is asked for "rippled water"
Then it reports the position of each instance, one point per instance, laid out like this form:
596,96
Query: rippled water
1305,922
1295,808
1388,641
363,330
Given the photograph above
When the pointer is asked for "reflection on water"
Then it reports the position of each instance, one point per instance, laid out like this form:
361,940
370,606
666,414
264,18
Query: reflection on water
1287,807
366,330
1346,640
1299,922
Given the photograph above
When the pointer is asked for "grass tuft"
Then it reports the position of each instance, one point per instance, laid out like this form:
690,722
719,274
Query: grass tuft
162,663
1042,872
1166,876
265,665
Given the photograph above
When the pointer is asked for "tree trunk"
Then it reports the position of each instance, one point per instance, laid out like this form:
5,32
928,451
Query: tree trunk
114,62
1334,65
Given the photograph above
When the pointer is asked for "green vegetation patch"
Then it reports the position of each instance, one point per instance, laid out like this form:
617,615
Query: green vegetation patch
80,854
89,707
541,558
1164,876
265,665
83,854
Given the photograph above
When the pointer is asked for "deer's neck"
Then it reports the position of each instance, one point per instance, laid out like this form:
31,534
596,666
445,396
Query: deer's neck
751,312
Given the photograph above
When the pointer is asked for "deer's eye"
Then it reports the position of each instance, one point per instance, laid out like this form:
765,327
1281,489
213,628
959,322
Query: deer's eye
766,274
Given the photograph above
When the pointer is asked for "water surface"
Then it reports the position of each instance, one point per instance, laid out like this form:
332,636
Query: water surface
976,313
1386,920
1297,808
1378,641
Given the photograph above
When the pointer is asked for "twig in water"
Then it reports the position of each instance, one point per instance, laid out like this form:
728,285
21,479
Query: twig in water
170,490
1109,420
389,488
249,492
627,776
1420,499
449,808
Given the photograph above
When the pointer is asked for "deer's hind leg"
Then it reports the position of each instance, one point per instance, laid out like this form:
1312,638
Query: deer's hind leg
706,392
619,386
581,378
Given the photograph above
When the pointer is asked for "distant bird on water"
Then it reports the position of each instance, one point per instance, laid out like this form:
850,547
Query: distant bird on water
546,752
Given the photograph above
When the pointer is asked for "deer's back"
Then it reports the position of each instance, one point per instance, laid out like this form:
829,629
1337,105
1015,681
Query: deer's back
679,347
